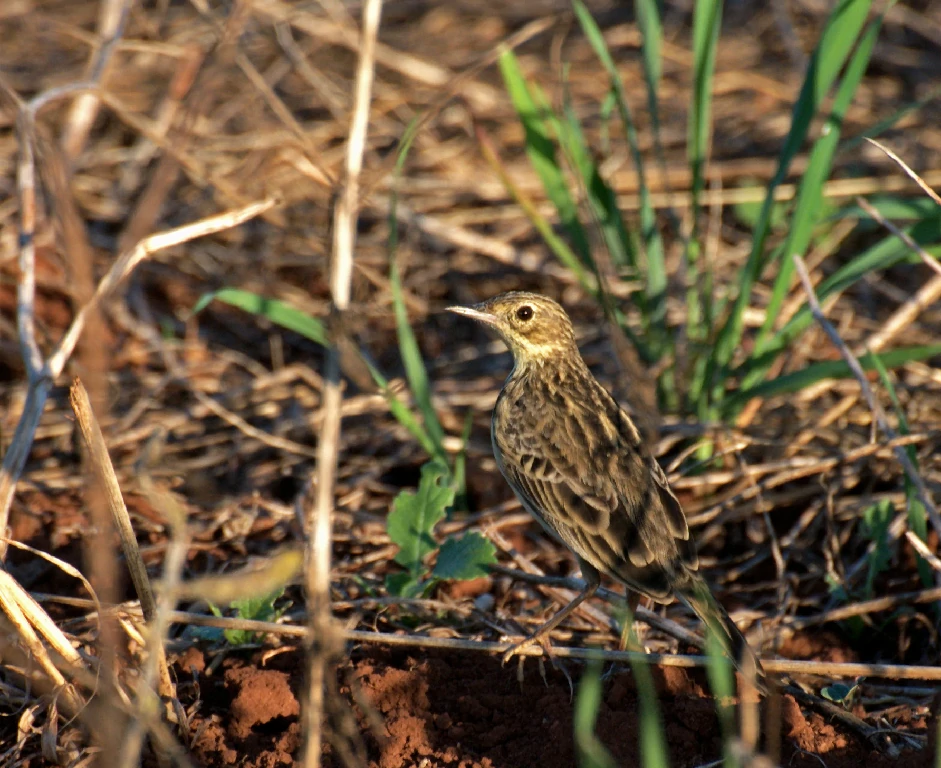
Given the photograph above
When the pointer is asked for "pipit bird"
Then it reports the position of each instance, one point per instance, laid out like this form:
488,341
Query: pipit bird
577,462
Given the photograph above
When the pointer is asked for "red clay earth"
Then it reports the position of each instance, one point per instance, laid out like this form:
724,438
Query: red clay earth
464,710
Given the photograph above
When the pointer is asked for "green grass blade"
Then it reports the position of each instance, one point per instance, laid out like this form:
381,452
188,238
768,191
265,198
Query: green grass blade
655,267
556,244
414,364
880,127
429,434
721,681
838,37
917,514
600,196
808,209
891,207
887,253
830,369
400,411
651,37
541,151
653,745
292,319
707,21
278,312
591,753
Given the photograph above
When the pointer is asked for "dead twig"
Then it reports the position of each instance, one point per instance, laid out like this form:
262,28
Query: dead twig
875,406
911,174
320,511
101,463
112,19
42,373
146,704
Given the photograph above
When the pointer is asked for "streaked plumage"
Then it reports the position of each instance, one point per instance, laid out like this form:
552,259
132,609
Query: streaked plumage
578,464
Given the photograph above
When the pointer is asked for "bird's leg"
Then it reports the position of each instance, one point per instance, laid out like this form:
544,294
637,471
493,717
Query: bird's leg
592,582
633,600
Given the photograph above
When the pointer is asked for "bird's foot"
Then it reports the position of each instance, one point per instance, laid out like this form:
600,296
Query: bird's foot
541,639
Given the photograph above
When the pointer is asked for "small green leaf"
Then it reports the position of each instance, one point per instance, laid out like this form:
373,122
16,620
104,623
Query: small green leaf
257,609
414,515
403,584
839,693
836,692
204,634
465,558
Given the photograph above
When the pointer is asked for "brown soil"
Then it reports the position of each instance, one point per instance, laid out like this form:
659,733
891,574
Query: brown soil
467,711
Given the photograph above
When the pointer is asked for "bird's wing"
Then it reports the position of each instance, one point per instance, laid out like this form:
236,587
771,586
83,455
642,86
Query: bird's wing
582,470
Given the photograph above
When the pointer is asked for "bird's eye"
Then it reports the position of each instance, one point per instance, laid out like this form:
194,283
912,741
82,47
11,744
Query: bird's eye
524,313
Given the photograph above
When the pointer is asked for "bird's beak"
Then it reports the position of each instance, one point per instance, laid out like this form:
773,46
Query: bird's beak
475,314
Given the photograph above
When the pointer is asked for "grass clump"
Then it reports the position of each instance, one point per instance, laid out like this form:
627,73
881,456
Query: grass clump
706,368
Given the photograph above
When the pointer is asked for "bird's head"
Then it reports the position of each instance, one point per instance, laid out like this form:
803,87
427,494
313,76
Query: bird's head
535,328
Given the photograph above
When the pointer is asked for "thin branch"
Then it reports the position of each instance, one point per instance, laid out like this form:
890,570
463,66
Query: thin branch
832,670
867,606
926,257
146,704
112,19
43,373
127,262
320,512
911,174
101,463
875,406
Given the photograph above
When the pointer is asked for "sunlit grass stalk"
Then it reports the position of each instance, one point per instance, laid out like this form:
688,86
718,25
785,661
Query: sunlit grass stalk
917,515
654,296
837,39
707,22
556,244
808,207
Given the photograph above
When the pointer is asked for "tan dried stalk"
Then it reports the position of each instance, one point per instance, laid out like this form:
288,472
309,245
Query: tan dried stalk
320,512
101,463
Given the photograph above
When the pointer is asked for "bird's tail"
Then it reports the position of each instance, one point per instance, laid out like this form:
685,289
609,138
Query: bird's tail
694,591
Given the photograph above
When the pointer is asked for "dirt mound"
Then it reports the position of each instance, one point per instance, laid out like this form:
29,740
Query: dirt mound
467,711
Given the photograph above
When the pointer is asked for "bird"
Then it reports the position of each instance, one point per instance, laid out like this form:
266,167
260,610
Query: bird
579,465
